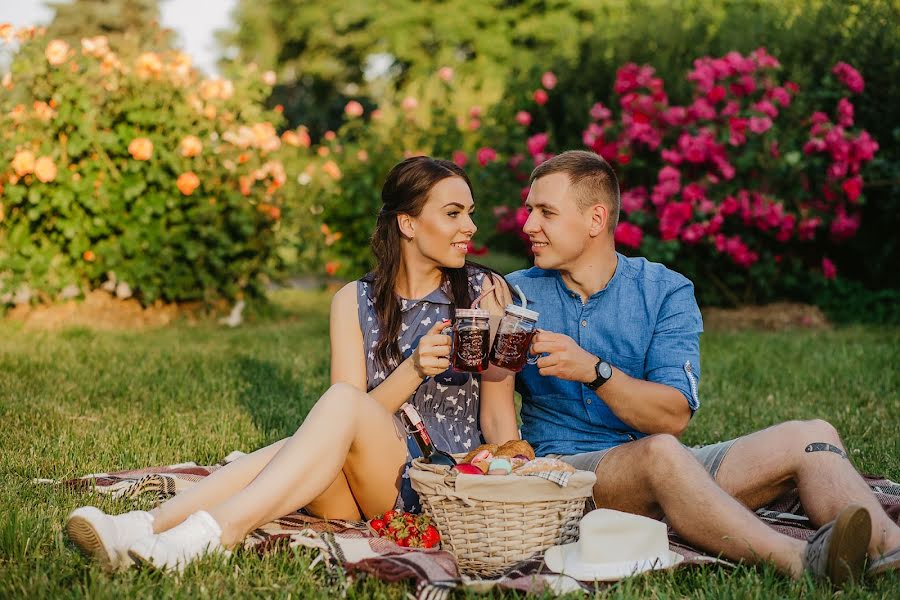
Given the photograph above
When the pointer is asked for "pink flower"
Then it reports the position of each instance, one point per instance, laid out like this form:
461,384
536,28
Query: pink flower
845,113
766,108
540,97
737,131
460,158
806,229
537,143
781,96
844,227
471,249
674,216
693,233
548,80
523,118
633,199
760,125
671,156
628,234
864,147
475,111
600,112
353,109
409,104
852,187
474,124
828,269
674,116
693,192
701,110
850,77
445,73
716,94
485,155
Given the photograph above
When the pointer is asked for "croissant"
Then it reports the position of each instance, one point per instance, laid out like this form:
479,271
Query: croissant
514,448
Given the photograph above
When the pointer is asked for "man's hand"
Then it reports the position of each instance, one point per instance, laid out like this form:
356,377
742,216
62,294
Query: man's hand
565,358
431,356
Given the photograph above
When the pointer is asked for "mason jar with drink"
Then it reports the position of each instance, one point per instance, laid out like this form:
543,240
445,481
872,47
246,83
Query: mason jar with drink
513,339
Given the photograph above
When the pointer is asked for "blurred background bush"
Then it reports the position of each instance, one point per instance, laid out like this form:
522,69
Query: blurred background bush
352,87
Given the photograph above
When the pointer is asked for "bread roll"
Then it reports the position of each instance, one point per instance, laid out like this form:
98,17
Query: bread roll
514,448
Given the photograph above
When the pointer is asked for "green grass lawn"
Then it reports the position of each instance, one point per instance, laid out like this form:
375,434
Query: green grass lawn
77,401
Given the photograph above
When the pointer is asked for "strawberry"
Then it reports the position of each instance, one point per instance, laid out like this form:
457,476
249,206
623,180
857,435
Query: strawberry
377,525
430,537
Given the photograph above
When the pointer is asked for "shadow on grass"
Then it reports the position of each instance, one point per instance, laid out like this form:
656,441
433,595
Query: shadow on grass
275,398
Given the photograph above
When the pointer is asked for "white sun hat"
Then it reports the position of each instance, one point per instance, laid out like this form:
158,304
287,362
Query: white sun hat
613,545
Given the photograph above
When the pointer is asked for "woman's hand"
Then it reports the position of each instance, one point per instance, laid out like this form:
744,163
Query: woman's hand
431,356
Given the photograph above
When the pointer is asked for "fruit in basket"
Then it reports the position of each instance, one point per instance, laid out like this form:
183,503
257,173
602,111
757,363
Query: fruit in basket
406,529
468,469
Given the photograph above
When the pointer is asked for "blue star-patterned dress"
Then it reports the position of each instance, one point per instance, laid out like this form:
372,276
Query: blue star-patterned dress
448,402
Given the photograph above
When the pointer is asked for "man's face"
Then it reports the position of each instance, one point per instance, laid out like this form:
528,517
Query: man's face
557,228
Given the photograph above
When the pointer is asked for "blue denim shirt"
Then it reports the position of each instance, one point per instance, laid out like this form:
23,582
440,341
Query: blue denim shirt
645,322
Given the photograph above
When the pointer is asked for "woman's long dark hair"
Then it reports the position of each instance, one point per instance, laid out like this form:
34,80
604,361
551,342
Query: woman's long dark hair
405,191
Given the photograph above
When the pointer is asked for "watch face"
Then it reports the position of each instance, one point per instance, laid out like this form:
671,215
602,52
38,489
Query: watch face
604,370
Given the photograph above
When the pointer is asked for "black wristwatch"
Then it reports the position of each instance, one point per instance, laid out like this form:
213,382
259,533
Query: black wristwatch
603,371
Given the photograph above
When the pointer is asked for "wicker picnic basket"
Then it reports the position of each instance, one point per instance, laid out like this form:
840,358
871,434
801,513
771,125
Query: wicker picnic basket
492,522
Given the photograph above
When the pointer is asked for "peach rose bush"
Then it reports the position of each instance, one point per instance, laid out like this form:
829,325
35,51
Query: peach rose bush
134,168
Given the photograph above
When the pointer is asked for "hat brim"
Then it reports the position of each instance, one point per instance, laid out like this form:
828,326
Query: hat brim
564,560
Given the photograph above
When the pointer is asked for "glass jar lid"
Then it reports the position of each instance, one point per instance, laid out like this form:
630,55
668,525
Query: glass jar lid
527,313
472,313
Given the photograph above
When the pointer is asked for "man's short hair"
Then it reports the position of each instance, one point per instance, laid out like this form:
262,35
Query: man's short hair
592,179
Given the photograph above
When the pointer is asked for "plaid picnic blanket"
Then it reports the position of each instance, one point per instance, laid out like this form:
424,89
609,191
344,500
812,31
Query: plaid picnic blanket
350,548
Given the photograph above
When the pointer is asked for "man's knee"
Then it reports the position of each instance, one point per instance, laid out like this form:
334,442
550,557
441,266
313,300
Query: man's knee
812,431
663,453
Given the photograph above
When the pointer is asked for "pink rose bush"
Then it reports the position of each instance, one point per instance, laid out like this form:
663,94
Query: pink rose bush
738,173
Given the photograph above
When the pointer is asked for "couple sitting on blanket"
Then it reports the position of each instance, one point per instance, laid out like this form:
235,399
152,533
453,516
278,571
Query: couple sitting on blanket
614,388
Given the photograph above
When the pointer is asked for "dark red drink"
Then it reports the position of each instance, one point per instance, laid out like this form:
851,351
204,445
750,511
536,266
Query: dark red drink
470,348
510,349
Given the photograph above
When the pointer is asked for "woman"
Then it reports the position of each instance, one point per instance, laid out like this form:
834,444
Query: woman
348,459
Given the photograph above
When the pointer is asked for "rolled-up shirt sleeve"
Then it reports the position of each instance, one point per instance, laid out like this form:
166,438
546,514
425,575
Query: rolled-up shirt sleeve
673,357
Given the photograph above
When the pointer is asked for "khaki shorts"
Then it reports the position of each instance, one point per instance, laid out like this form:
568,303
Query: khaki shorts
710,456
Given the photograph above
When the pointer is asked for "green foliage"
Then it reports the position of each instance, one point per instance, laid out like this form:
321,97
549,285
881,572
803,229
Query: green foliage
123,22
130,164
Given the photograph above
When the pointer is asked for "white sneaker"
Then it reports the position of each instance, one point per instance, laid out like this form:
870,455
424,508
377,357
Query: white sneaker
196,536
107,537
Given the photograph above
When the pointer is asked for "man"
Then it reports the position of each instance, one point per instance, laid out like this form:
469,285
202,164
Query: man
617,383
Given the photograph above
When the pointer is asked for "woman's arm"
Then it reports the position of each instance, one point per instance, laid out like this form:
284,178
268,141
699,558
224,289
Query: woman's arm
497,412
348,357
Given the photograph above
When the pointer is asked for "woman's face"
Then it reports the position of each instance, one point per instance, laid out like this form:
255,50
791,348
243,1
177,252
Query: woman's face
442,231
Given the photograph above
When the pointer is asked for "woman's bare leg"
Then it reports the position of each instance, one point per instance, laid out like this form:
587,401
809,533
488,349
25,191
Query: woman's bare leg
346,431
225,482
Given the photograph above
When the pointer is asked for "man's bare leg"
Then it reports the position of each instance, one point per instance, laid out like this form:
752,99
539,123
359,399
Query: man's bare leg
657,476
763,465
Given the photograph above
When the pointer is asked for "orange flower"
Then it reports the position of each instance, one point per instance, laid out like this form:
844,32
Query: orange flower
148,65
290,138
353,109
43,111
23,162
140,148
7,81
269,78
303,133
333,171
330,135
2,214
246,184
331,267
45,169
187,183
191,146
95,46
362,156
6,32
323,151
56,52
89,256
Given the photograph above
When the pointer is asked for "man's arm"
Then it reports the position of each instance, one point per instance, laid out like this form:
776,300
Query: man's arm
665,401
647,406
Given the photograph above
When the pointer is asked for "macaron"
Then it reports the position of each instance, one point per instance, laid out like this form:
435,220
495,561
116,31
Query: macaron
500,466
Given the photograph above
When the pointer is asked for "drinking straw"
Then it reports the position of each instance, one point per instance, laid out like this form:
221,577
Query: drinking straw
484,293
522,297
